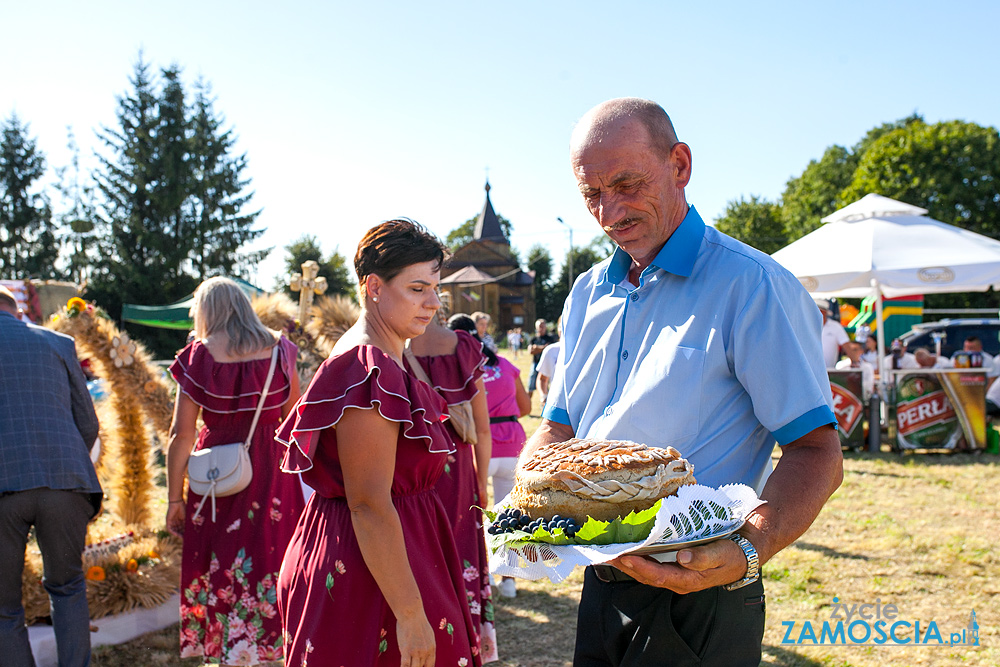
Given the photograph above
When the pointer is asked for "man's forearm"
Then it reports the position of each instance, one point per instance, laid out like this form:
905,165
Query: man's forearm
546,434
809,471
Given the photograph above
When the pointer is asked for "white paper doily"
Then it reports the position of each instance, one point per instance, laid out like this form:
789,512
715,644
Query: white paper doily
696,512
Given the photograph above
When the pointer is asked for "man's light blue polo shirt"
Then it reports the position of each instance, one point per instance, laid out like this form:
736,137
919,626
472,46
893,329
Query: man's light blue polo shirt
717,352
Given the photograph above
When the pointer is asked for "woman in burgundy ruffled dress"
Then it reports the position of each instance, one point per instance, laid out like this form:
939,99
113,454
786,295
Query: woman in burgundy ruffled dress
234,546
372,575
453,363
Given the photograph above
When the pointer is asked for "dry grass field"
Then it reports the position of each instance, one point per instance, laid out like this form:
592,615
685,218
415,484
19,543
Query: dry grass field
917,531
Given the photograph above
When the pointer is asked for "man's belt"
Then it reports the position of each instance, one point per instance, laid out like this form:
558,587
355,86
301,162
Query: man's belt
500,420
609,574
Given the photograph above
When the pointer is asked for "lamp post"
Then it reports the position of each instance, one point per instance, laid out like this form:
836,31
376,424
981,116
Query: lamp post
569,257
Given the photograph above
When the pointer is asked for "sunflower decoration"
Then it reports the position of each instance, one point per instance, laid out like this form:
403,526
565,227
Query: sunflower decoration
96,573
122,350
295,332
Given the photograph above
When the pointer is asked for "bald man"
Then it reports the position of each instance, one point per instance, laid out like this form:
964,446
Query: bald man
688,338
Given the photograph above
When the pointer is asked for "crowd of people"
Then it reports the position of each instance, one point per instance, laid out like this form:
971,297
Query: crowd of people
357,540
841,352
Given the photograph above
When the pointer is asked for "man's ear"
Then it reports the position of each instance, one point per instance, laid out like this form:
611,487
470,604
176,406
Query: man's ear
680,156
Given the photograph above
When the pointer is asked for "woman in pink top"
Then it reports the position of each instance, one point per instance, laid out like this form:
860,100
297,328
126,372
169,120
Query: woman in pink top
508,401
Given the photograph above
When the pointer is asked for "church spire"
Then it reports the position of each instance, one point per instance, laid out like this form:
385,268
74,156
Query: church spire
488,225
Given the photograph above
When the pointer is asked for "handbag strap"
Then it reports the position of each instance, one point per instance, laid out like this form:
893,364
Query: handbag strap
263,394
418,370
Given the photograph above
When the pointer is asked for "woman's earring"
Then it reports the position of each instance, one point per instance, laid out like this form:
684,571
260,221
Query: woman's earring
375,299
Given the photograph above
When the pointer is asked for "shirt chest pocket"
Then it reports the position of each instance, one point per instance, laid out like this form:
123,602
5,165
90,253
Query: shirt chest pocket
664,394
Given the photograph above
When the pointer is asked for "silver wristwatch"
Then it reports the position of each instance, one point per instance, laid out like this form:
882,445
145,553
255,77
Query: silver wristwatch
753,563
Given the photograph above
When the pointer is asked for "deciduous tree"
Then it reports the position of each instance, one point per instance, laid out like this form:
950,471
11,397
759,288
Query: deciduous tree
333,267
755,221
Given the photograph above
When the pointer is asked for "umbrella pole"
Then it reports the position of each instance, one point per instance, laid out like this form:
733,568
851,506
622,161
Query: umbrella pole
880,338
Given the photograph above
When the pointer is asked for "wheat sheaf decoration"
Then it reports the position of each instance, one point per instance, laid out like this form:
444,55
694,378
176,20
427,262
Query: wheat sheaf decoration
331,316
137,392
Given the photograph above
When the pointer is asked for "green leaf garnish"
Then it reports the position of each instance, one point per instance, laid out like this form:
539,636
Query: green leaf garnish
633,528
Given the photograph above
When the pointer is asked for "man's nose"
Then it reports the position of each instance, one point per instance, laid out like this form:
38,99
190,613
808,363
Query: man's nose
610,209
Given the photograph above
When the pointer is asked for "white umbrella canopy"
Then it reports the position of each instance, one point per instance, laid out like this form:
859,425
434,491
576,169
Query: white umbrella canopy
897,245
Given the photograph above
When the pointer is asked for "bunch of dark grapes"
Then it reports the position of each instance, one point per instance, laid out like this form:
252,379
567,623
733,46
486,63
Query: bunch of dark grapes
510,520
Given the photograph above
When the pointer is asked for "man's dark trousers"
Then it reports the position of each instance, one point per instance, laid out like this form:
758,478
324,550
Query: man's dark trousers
628,624
60,519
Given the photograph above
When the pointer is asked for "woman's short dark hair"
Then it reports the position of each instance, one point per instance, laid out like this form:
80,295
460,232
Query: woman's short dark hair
391,246
462,322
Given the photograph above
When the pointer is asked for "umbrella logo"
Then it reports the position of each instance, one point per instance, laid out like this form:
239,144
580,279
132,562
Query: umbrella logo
938,275
809,283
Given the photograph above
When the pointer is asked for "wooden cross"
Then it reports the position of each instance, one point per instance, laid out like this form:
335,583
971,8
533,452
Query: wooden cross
307,284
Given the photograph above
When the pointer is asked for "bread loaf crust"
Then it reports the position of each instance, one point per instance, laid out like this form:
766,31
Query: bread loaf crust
603,479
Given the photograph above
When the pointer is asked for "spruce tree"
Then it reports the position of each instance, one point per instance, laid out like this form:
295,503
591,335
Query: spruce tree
219,195
28,243
172,198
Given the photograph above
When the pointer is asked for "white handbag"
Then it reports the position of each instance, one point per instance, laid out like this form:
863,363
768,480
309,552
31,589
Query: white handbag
225,470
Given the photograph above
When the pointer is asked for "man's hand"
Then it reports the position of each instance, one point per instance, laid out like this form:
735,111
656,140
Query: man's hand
713,564
809,471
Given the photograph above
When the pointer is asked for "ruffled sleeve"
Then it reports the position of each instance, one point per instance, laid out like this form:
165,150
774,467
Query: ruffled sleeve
362,377
227,388
454,375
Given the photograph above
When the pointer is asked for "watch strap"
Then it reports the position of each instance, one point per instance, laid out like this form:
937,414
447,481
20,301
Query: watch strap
753,563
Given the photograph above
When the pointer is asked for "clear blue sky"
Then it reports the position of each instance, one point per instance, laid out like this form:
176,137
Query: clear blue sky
351,113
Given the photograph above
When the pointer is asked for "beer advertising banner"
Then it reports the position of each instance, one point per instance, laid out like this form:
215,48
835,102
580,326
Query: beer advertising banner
848,407
941,409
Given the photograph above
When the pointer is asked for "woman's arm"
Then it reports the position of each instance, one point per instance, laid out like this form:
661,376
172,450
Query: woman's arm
521,396
183,431
366,443
484,439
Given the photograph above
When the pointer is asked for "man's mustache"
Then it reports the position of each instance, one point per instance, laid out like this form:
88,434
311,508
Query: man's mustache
621,224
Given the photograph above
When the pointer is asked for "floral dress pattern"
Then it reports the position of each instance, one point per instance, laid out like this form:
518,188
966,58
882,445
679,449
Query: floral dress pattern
454,377
229,568
332,610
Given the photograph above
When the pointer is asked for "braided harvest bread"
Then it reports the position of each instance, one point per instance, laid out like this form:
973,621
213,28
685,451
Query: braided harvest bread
603,479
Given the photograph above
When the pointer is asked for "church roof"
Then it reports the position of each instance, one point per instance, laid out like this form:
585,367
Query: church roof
488,225
468,275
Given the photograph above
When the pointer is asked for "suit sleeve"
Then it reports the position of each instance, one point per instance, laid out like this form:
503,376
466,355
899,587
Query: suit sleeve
83,406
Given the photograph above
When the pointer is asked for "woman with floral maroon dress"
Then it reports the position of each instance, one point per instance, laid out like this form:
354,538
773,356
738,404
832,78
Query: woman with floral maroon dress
372,575
452,363
233,546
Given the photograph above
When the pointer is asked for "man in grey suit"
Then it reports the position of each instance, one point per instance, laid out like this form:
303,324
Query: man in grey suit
47,427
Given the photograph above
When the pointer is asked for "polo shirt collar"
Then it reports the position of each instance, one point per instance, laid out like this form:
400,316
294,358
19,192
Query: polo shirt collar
677,255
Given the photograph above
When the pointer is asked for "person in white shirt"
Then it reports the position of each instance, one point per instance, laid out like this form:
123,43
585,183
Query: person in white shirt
853,351
871,351
900,359
834,335
973,344
928,359
993,400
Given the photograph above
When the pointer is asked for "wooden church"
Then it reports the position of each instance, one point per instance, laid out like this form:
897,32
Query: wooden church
483,275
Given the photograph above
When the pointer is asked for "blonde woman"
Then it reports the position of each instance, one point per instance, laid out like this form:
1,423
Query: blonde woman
230,565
